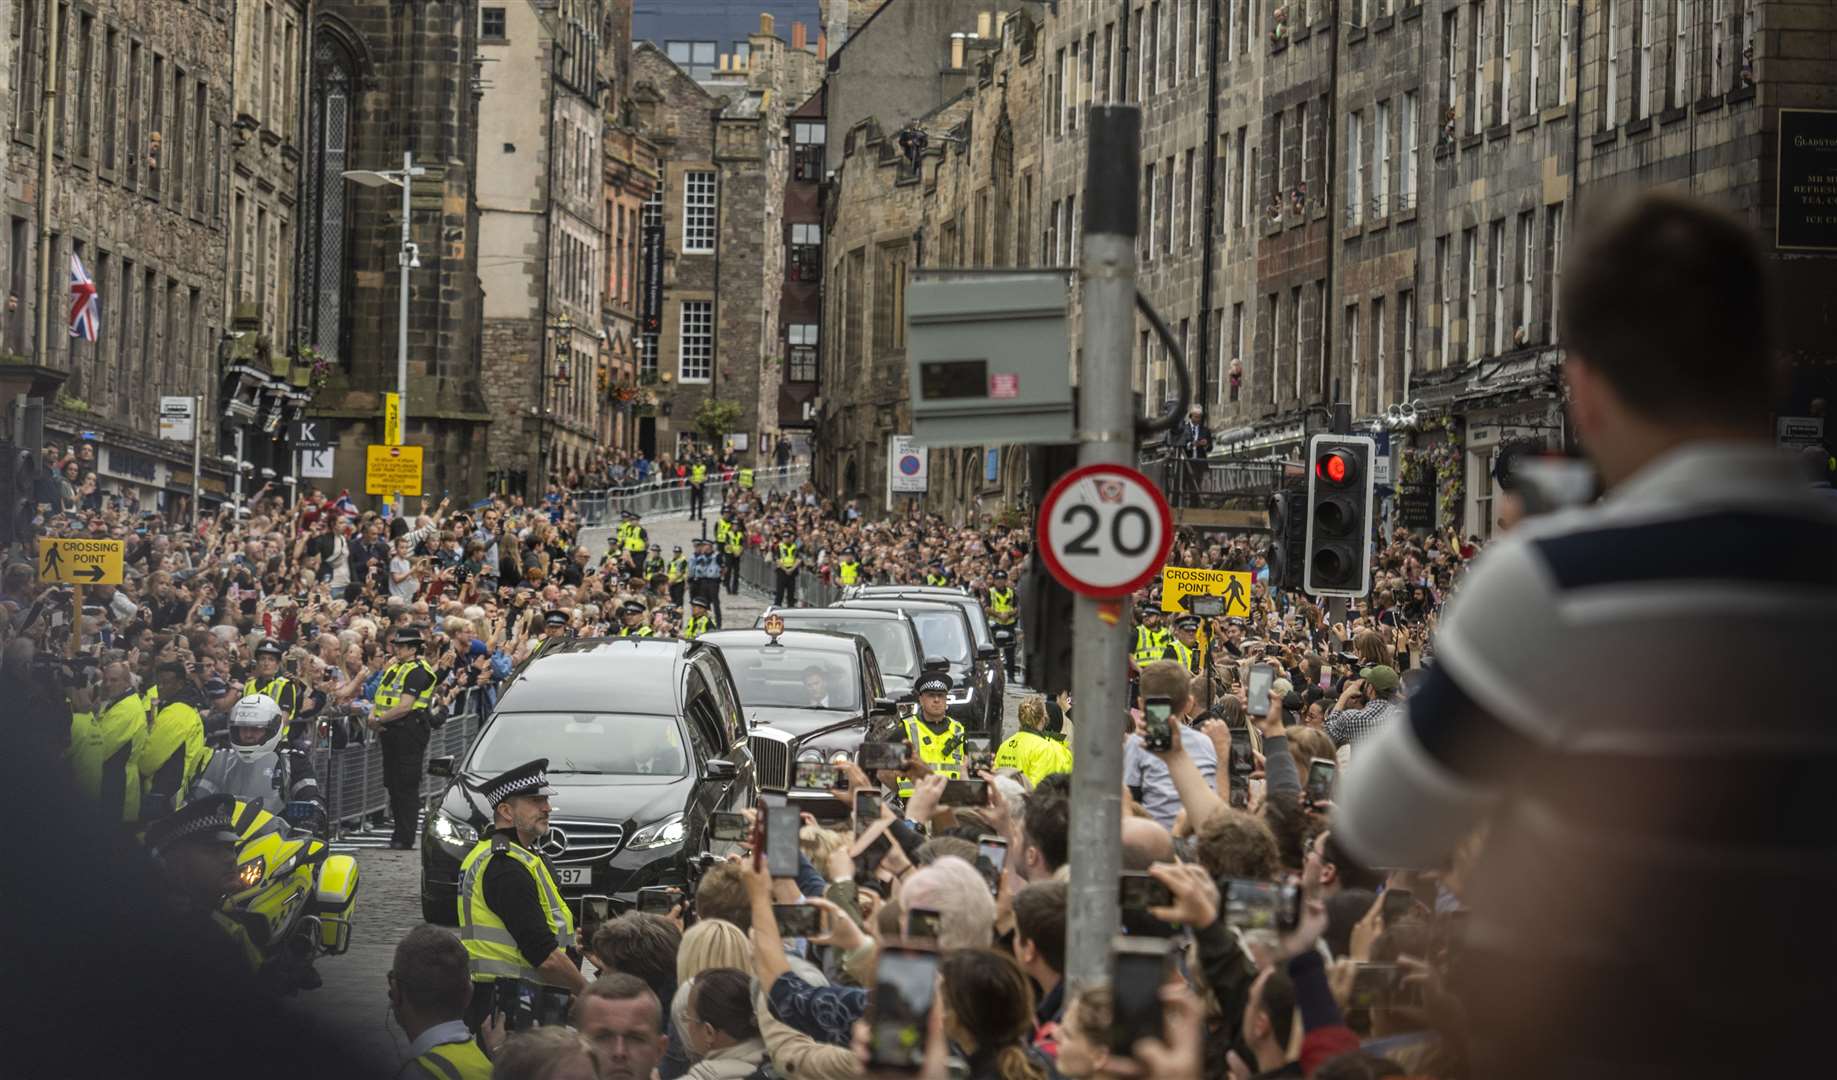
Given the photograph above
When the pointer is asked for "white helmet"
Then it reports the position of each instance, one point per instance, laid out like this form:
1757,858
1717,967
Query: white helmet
256,726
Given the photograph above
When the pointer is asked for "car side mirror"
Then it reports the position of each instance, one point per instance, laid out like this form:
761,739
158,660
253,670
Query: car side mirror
883,706
908,699
987,652
716,769
440,766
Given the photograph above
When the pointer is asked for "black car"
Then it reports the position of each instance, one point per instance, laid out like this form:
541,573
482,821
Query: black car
644,738
808,696
987,649
944,630
898,652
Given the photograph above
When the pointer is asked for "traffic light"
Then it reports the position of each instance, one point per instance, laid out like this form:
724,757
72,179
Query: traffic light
1338,550
1288,509
18,497
1046,605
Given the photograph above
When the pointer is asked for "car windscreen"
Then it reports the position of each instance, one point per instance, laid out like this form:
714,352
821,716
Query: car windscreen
942,633
589,743
889,638
778,676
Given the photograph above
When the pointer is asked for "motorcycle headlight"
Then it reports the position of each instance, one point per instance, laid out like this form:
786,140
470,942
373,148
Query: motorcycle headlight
450,831
659,834
250,874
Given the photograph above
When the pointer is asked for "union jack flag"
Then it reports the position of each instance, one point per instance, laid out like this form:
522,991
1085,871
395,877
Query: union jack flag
85,309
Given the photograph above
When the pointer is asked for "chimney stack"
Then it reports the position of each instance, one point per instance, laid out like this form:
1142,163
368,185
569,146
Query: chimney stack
838,23
725,60
983,28
799,36
822,45
956,52
765,23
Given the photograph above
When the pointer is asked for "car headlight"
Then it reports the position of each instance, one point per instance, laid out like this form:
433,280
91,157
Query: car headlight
450,831
810,753
837,757
659,834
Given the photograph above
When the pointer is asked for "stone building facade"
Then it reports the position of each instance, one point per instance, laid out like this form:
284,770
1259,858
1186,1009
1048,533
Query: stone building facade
633,172
383,78
971,201
139,133
721,207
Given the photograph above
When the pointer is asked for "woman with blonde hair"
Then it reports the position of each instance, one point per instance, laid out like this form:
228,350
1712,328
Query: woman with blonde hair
713,943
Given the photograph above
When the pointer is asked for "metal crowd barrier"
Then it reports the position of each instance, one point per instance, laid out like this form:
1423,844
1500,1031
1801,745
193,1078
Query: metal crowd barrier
757,570
351,777
599,506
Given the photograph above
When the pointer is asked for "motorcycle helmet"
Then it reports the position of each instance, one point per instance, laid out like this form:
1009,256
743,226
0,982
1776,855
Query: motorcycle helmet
256,726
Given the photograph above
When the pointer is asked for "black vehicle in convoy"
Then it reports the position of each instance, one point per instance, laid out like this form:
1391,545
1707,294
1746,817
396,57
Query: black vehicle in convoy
984,634
895,641
944,631
645,739
808,696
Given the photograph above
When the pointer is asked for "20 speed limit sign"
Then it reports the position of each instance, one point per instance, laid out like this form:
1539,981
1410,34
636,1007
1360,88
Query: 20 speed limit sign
1104,530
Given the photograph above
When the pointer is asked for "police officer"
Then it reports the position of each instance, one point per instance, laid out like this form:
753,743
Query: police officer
677,571
512,919
705,576
938,575
402,701
636,542
195,851
745,477
174,753
258,766
621,533
1184,646
554,632
1150,638
698,482
631,620
936,739
430,985
108,729
272,684
733,545
1030,749
848,567
786,556
656,565
1004,614
699,620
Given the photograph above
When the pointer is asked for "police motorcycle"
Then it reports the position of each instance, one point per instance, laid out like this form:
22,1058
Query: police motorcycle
294,897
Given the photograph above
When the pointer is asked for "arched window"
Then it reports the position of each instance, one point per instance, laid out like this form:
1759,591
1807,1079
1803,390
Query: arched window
329,151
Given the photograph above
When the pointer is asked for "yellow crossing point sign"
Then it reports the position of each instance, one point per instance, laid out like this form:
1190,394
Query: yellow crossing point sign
392,470
80,561
1183,588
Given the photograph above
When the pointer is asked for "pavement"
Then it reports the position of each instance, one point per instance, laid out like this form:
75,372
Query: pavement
355,997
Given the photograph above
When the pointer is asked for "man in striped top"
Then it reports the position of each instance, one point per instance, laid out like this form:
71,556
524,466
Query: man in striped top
1636,697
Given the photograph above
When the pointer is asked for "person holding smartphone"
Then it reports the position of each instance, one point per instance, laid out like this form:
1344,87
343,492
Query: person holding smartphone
1145,772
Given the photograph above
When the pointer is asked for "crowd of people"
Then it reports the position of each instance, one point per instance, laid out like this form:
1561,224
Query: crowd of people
1498,820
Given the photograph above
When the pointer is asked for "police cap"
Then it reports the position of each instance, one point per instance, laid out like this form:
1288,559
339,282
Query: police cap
676,549
631,607
698,602
555,618
530,778
933,682
201,821
270,647
999,575
1187,622
408,635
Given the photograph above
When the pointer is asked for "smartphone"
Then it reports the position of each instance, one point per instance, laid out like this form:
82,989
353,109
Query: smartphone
1371,984
517,1003
991,859
965,793
815,776
1319,788
1239,792
552,1005
1139,968
1262,905
1399,904
1139,891
922,923
798,920
867,810
899,1014
1256,689
876,756
1243,758
782,824
658,899
594,910
1157,732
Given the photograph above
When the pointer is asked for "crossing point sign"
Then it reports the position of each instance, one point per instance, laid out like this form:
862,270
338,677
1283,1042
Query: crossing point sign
1104,530
392,470
80,561
1187,588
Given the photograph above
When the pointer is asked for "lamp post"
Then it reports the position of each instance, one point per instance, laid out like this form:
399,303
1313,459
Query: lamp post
563,327
408,257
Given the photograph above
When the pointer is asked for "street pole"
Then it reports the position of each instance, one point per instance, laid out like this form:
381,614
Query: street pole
1100,628
401,327
47,128
197,456
238,471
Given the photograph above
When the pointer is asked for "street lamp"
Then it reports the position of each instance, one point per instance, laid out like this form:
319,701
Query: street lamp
407,258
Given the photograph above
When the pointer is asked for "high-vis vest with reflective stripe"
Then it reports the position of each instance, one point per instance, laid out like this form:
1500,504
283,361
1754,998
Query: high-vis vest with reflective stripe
272,688
787,556
489,945
698,474
1034,754
929,746
177,730
104,755
849,572
635,540
1001,605
1149,644
678,569
389,691
937,580
746,478
1184,654
697,626
450,1061
736,540
636,631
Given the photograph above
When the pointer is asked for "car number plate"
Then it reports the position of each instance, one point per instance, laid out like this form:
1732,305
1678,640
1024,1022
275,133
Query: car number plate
574,875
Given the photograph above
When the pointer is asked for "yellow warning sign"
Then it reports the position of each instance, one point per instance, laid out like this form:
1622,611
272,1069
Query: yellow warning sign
392,420
1182,586
392,470
80,561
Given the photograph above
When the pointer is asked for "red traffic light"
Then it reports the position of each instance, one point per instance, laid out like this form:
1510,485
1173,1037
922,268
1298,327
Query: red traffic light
1335,467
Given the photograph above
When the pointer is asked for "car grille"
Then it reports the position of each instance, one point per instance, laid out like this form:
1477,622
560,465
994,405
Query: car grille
771,761
587,841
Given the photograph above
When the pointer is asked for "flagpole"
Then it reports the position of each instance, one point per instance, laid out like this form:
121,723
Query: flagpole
47,132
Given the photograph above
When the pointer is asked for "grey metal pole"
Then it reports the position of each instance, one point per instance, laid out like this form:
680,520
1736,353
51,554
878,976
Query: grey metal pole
1106,435
197,457
238,471
48,132
401,328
